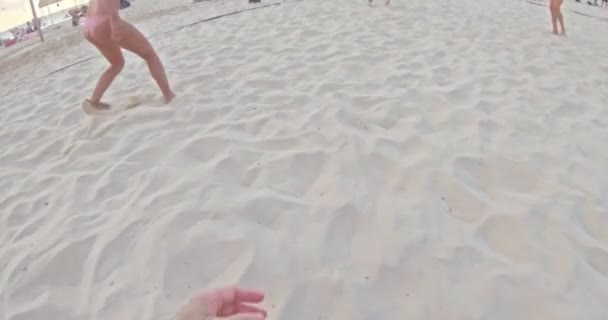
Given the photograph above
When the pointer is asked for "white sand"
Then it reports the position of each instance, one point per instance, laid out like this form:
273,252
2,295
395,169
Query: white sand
432,160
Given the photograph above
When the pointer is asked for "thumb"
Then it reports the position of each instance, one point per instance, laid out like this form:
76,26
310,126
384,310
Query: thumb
247,316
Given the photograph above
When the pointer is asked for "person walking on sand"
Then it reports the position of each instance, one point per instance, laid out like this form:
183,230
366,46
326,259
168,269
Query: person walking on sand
556,15
110,34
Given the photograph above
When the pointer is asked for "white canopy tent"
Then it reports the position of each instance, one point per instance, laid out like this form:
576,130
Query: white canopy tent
47,3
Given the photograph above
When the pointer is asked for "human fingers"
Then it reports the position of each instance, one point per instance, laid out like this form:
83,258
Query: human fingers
231,295
248,295
245,308
247,316
240,309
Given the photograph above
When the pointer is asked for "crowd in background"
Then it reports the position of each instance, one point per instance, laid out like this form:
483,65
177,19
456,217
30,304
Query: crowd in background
21,33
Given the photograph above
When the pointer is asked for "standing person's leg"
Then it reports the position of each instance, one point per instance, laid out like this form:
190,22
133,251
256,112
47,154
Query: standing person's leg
114,56
136,42
560,17
553,16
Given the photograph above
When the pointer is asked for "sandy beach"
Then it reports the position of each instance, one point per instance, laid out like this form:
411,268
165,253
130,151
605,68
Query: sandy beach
429,160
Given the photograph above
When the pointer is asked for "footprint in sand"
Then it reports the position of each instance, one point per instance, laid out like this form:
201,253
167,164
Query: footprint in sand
594,221
507,236
597,259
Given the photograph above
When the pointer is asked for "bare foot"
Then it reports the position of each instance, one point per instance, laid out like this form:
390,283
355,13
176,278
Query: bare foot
169,98
102,106
563,33
555,32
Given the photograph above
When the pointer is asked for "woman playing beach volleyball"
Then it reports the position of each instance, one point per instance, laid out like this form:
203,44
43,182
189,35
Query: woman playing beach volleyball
110,34
556,15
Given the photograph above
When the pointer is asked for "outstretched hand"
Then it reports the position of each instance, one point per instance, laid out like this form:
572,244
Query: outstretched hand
229,303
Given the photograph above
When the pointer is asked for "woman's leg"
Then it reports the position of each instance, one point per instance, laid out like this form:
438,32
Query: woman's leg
554,20
560,17
553,15
136,42
114,56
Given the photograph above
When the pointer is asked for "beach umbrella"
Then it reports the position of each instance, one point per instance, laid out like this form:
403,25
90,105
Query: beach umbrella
36,20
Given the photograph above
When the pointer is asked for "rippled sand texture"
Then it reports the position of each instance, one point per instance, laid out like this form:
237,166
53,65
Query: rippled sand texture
431,160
